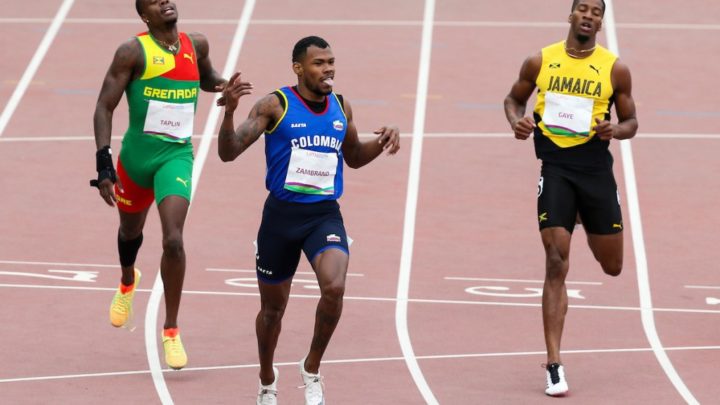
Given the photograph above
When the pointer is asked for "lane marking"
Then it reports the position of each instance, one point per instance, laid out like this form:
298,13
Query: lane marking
401,307
391,300
57,264
153,308
633,201
704,287
34,64
361,360
513,280
482,135
305,273
374,23
83,276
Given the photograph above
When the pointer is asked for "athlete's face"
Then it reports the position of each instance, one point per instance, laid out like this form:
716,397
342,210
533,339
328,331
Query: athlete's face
159,12
316,70
586,19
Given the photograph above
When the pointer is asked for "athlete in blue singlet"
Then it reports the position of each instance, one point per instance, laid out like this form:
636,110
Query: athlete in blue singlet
309,132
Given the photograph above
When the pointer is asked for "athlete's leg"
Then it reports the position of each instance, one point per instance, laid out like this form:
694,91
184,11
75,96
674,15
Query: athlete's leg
173,211
556,241
273,301
608,251
131,226
330,266
133,202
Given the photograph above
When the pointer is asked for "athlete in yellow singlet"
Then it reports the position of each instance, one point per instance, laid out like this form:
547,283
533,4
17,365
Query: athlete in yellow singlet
577,81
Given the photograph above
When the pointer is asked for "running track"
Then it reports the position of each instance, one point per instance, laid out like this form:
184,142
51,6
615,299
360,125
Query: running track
448,223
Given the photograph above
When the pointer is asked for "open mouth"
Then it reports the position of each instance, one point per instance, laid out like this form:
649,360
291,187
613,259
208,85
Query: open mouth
328,80
586,26
167,10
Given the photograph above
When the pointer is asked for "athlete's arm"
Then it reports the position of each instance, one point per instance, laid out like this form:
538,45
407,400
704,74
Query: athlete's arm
624,107
231,142
357,154
126,62
210,80
520,92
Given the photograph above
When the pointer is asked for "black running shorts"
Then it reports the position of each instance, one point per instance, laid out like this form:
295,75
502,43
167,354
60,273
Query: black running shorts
563,193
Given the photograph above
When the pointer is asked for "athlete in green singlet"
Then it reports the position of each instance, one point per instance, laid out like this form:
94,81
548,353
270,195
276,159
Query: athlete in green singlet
161,71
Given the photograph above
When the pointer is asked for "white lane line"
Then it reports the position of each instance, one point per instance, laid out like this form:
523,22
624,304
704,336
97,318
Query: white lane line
482,135
34,64
401,307
391,23
391,300
704,287
151,315
27,263
359,360
513,280
633,201
302,273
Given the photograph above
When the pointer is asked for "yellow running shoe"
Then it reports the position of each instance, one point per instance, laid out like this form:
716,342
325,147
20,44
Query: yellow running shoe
175,355
121,306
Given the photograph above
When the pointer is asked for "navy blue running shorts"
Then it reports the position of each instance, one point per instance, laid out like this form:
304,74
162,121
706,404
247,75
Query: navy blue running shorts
290,227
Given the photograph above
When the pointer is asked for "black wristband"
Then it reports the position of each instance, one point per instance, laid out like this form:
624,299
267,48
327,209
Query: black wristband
103,159
104,166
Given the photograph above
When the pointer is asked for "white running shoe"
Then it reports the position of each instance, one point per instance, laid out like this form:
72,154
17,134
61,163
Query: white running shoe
556,385
314,387
267,394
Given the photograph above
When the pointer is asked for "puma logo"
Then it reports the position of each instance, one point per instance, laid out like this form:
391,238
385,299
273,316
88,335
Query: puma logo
619,226
184,182
597,70
542,217
188,56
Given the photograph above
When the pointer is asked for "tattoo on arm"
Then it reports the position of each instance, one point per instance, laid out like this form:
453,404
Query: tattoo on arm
234,142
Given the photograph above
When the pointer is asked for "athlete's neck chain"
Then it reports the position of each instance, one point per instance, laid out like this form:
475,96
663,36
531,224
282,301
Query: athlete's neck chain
173,47
578,53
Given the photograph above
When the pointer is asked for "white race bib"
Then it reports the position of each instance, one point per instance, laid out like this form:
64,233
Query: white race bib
311,172
175,120
567,115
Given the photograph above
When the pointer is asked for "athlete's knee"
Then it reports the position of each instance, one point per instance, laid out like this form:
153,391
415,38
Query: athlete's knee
271,314
612,267
333,291
173,245
129,231
556,265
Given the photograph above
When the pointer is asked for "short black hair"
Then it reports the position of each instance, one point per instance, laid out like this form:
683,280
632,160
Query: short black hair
302,45
575,2
138,7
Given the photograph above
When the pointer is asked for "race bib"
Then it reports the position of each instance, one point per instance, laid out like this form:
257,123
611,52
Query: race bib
175,120
567,115
311,172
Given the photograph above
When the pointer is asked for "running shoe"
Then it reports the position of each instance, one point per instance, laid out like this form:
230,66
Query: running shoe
267,394
314,387
121,307
175,356
556,385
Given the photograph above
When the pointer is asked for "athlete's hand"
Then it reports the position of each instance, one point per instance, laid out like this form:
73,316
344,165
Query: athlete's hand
235,89
604,129
523,128
106,188
218,89
389,138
